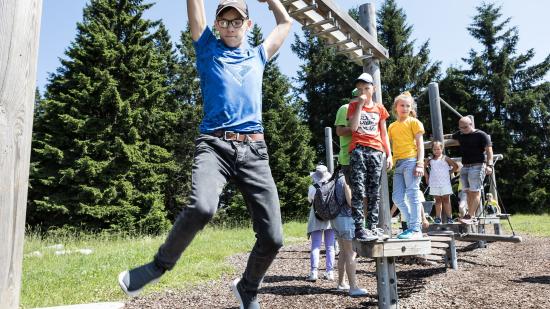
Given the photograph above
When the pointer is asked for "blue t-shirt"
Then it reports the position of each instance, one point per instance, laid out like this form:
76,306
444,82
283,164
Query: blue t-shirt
231,85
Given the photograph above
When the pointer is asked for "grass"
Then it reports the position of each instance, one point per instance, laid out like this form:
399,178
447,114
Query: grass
538,225
50,279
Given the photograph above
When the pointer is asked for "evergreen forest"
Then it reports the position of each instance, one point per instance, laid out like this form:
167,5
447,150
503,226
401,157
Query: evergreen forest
114,129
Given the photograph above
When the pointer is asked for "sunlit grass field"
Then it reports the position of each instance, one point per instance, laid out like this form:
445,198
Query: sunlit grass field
51,278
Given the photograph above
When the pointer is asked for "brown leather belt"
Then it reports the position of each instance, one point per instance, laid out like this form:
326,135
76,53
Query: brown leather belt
239,137
472,164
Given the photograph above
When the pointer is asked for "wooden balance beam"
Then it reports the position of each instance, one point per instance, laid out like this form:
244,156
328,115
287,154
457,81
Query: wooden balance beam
488,237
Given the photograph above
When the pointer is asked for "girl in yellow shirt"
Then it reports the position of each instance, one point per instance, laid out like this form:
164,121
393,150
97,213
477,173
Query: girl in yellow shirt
408,154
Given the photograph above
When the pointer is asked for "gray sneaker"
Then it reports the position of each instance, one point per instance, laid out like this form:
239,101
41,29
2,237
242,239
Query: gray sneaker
379,233
133,281
246,299
365,235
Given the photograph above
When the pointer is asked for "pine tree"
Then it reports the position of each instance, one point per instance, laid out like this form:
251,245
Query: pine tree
326,81
99,159
511,102
183,98
404,70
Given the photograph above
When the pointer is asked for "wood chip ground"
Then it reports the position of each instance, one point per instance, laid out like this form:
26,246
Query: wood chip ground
504,275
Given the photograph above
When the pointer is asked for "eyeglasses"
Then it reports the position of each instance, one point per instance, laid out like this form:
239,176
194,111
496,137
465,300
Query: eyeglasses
463,127
236,23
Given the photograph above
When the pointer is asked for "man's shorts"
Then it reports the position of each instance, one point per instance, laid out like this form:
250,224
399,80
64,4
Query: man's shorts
440,191
344,227
472,177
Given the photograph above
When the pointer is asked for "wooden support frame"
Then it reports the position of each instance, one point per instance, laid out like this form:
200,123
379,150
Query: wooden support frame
446,240
19,30
324,18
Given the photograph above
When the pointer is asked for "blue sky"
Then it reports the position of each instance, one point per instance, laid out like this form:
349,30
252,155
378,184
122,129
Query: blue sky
444,23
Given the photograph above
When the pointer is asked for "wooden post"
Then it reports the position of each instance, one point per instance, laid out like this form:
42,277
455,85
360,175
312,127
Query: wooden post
19,32
385,267
328,149
435,112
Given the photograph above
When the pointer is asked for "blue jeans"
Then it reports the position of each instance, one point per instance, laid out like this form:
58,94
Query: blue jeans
472,177
247,164
405,184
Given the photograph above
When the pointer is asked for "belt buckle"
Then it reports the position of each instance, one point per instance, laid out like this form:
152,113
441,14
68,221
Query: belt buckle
235,136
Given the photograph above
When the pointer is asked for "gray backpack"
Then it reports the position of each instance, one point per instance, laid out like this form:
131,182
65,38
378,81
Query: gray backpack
326,205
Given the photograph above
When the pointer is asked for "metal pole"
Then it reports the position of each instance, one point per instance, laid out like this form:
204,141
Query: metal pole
435,112
328,147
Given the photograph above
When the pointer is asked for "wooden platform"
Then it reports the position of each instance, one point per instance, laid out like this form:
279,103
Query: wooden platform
456,228
393,247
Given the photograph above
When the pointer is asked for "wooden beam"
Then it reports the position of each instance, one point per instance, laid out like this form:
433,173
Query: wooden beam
488,237
392,247
349,25
324,18
19,32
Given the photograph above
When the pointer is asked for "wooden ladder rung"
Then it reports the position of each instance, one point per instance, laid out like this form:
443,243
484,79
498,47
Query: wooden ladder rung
440,245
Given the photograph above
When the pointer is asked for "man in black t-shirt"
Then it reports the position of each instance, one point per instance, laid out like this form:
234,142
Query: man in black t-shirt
474,146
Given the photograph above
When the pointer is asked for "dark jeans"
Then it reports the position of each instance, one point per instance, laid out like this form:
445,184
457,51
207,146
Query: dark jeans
247,164
366,172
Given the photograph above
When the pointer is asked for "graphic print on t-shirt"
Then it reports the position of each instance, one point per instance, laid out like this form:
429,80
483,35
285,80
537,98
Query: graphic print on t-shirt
368,123
238,71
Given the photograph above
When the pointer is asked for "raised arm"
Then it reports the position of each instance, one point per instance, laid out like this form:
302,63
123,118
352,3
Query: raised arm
354,118
343,131
275,39
197,18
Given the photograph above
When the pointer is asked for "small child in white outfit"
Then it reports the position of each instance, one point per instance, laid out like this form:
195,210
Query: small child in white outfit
439,181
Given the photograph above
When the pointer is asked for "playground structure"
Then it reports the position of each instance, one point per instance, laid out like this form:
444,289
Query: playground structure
20,27
443,236
470,232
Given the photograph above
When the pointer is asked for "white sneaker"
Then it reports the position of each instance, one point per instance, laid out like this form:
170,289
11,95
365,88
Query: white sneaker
378,232
329,275
342,287
357,292
312,276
